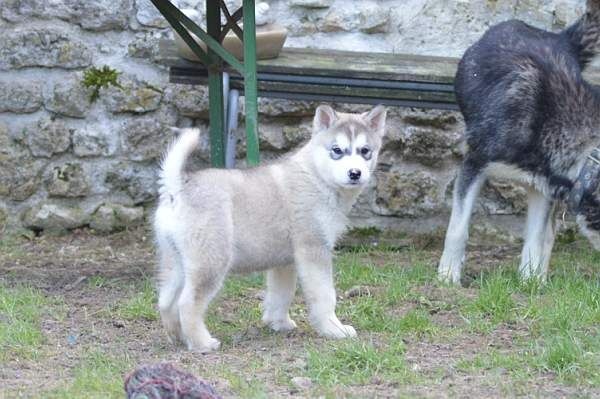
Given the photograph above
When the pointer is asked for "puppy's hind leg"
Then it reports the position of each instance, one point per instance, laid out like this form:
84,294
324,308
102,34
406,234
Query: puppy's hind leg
466,189
539,237
170,283
281,287
204,275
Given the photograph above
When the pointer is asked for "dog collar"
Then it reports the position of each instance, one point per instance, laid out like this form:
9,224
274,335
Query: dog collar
587,181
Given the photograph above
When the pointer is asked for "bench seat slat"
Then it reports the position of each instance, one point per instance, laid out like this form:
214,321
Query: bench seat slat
402,92
363,65
333,63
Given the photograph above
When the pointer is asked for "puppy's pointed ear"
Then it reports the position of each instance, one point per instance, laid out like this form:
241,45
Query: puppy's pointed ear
325,117
375,119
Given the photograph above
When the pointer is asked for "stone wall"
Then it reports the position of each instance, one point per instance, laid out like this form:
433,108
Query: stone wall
67,161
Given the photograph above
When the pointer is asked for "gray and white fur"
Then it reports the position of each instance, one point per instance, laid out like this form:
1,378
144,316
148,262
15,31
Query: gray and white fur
283,218
531,116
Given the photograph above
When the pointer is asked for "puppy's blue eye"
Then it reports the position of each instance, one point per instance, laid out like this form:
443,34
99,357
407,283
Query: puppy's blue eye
336,153
365,152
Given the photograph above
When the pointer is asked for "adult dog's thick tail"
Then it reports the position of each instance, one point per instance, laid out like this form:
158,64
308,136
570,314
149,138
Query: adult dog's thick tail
584,35
171,174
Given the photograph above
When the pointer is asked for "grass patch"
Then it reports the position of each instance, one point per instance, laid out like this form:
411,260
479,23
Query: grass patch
560,319
227,327
227,323
391,285
519,364
21,310
355,362
416,322
562,355
142,305
97,281
351,269
242,384
98,375
355,269
365,313
495,298
240,286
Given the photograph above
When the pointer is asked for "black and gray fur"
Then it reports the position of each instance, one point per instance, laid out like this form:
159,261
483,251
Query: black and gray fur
530,115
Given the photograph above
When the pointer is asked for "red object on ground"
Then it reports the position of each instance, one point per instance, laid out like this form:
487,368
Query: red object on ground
165,381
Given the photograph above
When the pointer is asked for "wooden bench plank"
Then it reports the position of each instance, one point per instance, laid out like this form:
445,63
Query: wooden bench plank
364,65
383,66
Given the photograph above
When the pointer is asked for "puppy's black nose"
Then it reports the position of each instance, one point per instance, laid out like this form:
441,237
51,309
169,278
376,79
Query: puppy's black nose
354,174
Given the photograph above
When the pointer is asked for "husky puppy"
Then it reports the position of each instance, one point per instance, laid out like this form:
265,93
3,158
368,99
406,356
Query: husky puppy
530,116
284,218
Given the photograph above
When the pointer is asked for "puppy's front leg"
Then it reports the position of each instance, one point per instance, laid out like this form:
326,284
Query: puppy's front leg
316,276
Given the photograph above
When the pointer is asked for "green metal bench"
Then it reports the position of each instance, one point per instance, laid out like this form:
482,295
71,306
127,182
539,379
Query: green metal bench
301,74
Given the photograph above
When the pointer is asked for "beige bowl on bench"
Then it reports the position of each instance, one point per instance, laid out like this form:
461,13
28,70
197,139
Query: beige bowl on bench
269,42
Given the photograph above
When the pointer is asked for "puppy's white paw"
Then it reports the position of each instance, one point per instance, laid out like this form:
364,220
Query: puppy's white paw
336,330
347,332
209,345
280,325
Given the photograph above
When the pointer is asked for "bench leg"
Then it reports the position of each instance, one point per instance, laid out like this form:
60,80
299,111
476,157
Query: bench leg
215,88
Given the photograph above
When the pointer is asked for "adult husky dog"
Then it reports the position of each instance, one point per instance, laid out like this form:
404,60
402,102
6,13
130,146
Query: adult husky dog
530,116
284,218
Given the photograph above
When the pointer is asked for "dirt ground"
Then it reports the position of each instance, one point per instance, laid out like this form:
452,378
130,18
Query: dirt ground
90,275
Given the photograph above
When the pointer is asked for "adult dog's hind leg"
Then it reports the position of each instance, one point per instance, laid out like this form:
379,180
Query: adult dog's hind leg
466,189
170,283
281,287
539,237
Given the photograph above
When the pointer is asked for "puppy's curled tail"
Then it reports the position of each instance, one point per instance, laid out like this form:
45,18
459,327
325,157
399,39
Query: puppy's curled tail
171,173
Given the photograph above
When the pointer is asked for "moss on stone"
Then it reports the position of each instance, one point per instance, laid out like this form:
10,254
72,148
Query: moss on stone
97,78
